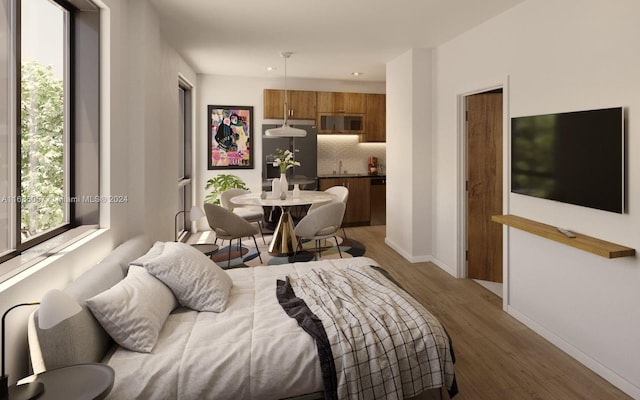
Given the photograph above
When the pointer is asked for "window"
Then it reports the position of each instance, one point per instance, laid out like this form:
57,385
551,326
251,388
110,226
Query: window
41,189
44,114
184,159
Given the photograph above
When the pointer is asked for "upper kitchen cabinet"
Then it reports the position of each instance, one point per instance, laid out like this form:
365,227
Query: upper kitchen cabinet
341,112
301,104
376,123
342,102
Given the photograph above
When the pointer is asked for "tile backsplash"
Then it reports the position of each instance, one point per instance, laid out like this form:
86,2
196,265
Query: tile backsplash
346,148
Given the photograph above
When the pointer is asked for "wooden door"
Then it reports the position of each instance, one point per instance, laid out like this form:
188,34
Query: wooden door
484,185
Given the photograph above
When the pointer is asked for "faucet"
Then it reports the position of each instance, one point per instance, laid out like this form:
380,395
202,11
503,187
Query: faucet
340,167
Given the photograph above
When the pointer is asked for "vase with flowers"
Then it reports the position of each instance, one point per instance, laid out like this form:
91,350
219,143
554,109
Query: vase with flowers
284,159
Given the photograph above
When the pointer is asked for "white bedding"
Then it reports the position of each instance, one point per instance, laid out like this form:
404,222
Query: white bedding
252,350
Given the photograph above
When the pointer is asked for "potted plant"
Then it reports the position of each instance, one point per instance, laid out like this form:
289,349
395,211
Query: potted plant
221,183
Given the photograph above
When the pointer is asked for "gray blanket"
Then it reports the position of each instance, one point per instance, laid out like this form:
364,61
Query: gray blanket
383,342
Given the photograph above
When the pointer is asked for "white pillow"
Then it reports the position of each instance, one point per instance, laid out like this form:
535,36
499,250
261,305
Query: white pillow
134,310
196,281
154,251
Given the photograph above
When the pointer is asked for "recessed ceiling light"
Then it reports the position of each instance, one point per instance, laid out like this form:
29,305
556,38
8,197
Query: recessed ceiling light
357,73
271,68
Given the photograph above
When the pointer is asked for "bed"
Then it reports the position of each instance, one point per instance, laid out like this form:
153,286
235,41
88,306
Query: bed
275,336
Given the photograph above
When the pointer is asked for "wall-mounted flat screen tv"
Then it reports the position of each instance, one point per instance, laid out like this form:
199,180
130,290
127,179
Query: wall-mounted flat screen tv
574,157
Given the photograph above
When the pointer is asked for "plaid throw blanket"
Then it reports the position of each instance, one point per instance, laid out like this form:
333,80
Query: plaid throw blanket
383,343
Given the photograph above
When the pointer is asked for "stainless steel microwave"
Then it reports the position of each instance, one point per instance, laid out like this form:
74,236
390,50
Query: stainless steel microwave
341,123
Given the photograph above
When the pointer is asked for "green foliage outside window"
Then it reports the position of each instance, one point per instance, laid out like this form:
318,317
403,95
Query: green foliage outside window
42,149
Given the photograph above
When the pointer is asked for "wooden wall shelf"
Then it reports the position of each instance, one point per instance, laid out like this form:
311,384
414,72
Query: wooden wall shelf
582,242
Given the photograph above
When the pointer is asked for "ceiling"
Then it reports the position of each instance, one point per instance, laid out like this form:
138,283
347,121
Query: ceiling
329,39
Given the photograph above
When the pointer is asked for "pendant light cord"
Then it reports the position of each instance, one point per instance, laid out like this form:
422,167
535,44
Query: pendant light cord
285,130
285,55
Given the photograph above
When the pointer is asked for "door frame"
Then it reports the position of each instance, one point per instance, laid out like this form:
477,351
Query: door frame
462,172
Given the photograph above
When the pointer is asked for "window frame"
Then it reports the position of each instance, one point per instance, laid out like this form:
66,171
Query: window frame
185,154
81,188
68,137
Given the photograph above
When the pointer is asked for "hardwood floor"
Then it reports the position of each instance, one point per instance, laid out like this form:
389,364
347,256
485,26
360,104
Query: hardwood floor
497,357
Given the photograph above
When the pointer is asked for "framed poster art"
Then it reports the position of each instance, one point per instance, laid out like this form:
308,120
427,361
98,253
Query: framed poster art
230,137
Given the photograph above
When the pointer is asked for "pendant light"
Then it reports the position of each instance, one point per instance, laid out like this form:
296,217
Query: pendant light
285,130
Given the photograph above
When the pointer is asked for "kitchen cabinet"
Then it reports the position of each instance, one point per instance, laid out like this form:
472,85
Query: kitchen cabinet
376,121
358,204
341,112
302,104
342,102
378,201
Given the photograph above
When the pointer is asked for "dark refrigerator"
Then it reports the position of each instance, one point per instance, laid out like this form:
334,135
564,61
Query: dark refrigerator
305,150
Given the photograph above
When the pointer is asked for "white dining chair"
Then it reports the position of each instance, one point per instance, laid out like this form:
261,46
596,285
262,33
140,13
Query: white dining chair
342,196
228,226
322,223
253,214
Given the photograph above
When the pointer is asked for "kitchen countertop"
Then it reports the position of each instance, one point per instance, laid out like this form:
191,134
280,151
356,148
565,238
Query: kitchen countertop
302,180
266,183
350,176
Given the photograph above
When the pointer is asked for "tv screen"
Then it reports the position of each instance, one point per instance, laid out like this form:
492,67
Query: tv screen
574,157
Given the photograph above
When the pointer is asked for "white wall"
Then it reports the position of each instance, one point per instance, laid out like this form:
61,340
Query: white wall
138,135
555,56
248,91
154,69
409,155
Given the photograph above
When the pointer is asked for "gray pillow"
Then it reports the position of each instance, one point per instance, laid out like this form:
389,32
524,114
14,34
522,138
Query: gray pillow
196,281
134,310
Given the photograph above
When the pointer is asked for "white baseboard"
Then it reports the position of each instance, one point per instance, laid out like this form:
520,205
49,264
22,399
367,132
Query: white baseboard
417,259
397,249
450,270
403,253
615,379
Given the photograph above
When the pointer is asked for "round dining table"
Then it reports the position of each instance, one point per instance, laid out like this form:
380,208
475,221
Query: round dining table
284,239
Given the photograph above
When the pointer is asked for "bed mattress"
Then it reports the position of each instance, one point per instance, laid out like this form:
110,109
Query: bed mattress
252,350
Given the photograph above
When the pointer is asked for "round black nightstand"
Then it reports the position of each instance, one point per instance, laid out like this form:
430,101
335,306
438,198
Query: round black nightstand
206,248
82,381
